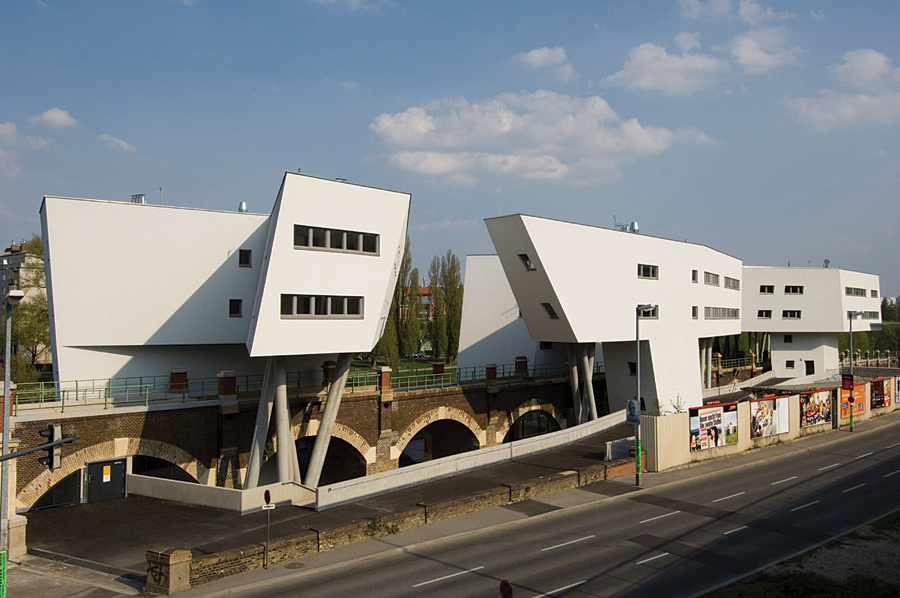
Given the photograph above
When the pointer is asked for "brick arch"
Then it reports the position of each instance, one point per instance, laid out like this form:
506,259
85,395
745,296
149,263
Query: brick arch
310,428
434,415
532,405
112,449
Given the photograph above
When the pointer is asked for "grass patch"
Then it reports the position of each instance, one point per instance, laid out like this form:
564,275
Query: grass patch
812,585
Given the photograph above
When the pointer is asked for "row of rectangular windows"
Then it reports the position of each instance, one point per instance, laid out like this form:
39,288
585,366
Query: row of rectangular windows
769,289
331,239
866,315
721,313
321,306
857,292
787,314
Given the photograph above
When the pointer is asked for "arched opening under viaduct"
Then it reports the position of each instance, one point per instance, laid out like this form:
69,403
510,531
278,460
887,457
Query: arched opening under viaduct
342,462
532,423
439,439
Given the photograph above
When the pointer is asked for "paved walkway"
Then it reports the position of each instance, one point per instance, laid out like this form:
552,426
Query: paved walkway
107,540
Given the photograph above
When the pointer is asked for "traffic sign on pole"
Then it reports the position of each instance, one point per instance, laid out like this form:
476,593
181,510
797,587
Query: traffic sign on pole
505,589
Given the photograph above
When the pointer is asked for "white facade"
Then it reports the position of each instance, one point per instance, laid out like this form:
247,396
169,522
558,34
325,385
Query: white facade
592,279
135,289
804,310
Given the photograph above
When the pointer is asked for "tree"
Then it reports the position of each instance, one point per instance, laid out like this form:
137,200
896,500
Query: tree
451,284
411,328
386,347
31,325
437,327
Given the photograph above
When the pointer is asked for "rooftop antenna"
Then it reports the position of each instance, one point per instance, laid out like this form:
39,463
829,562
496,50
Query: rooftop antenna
621,227
827,261
160,196
789,263
807,263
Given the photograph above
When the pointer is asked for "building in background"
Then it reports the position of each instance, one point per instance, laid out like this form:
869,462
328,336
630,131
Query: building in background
803,310
21,268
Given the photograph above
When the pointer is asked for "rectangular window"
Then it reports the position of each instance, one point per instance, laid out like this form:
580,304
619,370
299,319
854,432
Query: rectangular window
526,261
550,311
234,308
650,314
788,339
764,314
790,314
648,271
766,289
321,306
789,364
870,315
695,276
632,368
332,239
793,290
874,294
695,312
732,283
854,292
546,345
244,258
721,313
710,278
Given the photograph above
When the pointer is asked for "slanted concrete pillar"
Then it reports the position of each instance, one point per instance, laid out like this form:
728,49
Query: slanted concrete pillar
327,372
572,353
329,416
286,451
263,417
588,376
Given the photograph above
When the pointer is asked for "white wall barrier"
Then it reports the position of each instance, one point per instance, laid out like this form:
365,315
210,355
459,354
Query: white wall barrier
243,501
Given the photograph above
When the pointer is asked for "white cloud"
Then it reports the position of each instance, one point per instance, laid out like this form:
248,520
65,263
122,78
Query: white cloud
760,50
356,4
864,69
540,135
545,57
687,41
9,137
349,85
117,143
694,9
54,119
9,163
651,68
41,3
752,12
817,15
867,69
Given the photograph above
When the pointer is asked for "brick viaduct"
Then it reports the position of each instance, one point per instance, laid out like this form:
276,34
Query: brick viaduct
211,441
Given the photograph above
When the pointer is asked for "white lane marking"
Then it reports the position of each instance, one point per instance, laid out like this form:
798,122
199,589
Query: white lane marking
659,517
567,543
737,529
809,504
887,475
893,445
652,558
829,466
851,489
730,496
562,589
866,455
784,480
425,583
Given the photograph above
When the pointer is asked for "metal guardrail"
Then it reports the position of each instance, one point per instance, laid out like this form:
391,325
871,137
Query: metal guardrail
151,390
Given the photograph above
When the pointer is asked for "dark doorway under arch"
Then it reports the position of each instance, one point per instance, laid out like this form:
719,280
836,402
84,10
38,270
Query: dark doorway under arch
159,468
65,492
533,423
439,439
342,462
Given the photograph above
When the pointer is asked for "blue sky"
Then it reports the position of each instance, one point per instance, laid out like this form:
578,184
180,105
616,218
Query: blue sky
769,131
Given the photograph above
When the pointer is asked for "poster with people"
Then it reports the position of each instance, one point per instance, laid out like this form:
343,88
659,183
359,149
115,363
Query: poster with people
881,392
815,408
859,400
769,416
713,426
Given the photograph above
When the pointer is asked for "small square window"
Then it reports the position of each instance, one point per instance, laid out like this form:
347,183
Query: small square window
764,314
526,261
788,339
550,311
695,311
874,294
792,289
321,303
318,237
234,308
632,368
287,305
301,235
354,306
789,364
336,239
304,305
353,241
695,276
370,243
546,345
337,306
766,289
649,314
244,258
648,271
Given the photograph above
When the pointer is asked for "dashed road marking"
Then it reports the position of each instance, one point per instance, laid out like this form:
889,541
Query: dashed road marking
809,504
425,583
852,489
567,543
729,496
652,558
784,480
660,517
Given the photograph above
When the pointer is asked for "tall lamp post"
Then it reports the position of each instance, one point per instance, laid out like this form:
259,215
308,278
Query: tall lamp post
852,315
637,391
12,298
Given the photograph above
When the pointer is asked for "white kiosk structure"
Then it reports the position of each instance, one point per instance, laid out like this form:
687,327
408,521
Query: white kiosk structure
803,310
137,289
577,286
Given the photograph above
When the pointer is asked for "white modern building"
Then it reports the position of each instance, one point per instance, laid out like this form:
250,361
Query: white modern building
804,309
577,286
136,289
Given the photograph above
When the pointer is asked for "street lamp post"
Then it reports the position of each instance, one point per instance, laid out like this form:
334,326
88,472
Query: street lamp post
12,298
637,391
852,315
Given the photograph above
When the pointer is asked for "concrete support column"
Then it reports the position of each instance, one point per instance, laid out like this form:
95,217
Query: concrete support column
703,363
263,417
329,416
709,352
571,351
283,424
588,376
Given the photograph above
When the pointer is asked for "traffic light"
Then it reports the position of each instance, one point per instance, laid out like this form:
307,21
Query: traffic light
52,433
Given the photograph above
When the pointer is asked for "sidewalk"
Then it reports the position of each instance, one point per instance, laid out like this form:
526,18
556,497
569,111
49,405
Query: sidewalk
133,525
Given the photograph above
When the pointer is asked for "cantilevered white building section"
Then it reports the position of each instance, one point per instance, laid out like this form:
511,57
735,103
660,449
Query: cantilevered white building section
580,285
804,309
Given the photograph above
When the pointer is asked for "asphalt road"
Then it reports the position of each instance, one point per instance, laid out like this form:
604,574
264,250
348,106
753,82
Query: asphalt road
680,540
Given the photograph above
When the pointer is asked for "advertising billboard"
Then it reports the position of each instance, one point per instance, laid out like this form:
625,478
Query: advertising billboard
881,392
859,400
769,416
815,408
713,426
